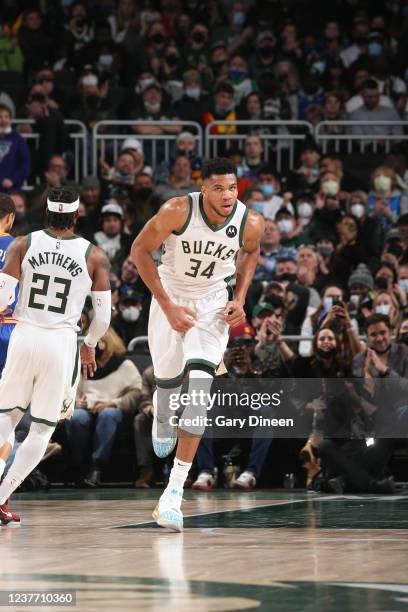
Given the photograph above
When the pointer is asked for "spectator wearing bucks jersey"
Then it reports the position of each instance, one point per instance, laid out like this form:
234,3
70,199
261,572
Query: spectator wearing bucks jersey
56,270
208,237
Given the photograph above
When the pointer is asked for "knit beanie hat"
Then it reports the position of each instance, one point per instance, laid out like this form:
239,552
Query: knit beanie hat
361,276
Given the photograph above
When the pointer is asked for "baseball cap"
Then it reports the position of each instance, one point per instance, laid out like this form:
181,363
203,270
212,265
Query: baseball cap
262,307
394,234
132,143
112,209
243,329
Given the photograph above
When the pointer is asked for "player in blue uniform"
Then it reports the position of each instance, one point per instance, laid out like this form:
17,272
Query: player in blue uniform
7,323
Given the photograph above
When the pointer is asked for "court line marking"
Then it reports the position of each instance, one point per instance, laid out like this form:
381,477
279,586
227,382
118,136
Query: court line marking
282,503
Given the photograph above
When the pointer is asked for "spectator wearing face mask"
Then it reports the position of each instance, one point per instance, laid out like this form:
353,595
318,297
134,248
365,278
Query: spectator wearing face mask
394,244
240,79
153,109
264,57
291,230
194,100
386,303
271,251
131,320
196,52
330,204
111,238
403,277
270,186
361,285
348,252
305,205
332,295
402,332
21,225
238,32
371,231
223,107
120,177
94,104
386,202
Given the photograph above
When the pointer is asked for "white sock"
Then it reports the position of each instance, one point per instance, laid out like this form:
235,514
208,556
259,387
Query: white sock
27,458
178,474
2,467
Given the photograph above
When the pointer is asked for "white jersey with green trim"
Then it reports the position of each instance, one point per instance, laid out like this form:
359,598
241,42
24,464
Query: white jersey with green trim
54,281
200,258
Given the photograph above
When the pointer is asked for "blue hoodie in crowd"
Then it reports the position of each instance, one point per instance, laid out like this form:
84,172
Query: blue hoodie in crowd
15,161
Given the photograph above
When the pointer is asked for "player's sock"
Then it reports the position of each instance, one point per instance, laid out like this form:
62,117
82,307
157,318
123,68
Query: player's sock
178,474
27,458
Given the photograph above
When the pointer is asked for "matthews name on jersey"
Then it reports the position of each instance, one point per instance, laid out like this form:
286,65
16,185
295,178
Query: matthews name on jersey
54,280
200,258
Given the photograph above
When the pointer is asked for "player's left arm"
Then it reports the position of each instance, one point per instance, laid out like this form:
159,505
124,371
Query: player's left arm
11,272
246,263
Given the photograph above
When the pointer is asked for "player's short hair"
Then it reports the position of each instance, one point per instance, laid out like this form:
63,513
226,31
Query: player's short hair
6,205
218,165
61,221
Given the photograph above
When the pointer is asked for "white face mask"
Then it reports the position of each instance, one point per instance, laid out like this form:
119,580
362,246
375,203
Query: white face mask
143,83
152,107
383,309
355,299
382,183
357,210
330,187
305,210
327,303
285,226
193,92
5,130
131,314
403,283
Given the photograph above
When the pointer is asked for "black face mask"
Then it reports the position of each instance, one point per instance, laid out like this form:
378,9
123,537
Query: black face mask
158,39
266,52
198,37
143,193
286,277
404,338
384,351
395,249
326,354
381,282
172,60
189,154
92,100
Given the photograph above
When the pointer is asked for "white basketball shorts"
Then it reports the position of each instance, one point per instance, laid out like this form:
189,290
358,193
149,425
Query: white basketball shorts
42,368
204,343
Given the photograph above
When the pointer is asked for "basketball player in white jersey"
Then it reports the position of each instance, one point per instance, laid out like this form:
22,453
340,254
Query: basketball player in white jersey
208,237
56,270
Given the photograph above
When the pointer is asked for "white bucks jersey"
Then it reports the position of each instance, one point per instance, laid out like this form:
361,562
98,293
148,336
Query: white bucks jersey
54,281
200,258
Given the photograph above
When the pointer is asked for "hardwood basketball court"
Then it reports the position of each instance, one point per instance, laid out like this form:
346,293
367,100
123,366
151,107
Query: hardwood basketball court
264,550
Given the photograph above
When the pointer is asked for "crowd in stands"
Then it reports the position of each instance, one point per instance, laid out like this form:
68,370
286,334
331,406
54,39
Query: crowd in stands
333,266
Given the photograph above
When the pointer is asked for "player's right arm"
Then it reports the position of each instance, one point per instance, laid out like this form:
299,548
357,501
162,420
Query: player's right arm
98,268
171,217
11,272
